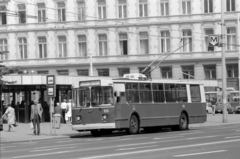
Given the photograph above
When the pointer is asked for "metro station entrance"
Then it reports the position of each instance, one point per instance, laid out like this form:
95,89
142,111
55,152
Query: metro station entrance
21,98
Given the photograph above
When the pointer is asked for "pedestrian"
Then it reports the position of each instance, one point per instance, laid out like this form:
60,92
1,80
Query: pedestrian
64,107
57,109
9,115
213,102
36,116
69,110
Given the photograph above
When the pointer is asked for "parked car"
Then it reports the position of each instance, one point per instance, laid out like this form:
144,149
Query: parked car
237,109
209,108
219,108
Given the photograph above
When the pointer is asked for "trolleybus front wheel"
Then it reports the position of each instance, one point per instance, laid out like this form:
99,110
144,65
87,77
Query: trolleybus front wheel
133,125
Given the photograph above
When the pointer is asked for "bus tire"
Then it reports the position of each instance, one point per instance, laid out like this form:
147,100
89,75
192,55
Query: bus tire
133,125
183,122
96,133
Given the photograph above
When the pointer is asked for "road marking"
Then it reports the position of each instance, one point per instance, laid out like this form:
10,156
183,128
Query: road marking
145,143
160,149
133,148
131,138
237,130
52,149
200,153
167,137
94,140
203,137
42,154
198,132
232,137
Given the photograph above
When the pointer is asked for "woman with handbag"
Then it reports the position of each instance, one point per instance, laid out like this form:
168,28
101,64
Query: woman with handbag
9,115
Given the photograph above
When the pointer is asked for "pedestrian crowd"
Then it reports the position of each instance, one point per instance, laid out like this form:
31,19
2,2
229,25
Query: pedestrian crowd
64,109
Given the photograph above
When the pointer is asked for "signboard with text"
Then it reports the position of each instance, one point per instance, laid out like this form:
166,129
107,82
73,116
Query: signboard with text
213,40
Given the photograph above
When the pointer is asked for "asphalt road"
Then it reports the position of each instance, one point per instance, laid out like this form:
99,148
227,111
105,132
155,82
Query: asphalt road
218,142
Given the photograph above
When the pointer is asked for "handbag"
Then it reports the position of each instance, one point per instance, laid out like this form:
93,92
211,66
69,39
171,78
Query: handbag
31,125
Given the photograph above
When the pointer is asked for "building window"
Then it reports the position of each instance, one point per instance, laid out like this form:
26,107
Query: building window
186,7
103,72
165,41
232,70
62,72
83,72
81,10
123,71
231,39
41,12
143,8
3,15
164,5
188,72
101,9
230,4
208,32
61,12
43,72
208,6
123,43
22,13
62,46
3,47
122,8
144,43
210,71
23,47
187,40
42,45
166,72
102,44
82,45
146,72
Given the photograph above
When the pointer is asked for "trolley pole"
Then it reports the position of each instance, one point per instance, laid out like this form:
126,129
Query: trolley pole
224,82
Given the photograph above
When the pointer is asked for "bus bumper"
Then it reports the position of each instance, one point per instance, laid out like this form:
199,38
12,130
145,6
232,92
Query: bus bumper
94,126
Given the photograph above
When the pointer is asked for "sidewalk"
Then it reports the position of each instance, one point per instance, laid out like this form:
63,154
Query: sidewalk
23,132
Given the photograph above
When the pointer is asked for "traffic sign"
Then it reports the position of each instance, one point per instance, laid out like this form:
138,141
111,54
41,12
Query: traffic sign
213,40
51,90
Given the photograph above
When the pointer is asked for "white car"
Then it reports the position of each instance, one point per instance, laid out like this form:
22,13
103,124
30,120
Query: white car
209,108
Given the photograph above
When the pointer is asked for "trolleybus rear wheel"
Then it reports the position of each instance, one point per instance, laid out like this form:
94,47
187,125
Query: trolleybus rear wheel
183,122
96,133
133,125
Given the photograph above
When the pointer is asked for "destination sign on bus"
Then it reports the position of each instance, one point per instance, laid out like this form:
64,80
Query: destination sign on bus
90,83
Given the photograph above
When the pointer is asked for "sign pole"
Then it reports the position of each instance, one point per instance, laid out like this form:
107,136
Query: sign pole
224,82
50,115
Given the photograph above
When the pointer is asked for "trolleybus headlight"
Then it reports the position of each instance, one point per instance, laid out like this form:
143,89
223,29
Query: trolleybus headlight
104,116
78,118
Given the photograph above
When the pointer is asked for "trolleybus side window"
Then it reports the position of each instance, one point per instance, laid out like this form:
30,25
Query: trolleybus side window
170,92
181,91
195,93
158,93
132,92
145,92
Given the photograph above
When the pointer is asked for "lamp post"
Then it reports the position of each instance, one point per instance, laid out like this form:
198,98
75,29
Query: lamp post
224,82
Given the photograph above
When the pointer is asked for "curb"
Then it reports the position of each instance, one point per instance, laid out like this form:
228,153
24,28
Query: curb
217,124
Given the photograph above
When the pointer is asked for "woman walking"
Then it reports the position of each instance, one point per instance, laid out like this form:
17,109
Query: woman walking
10,116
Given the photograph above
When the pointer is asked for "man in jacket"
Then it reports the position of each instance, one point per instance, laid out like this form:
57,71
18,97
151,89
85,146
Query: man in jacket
36,116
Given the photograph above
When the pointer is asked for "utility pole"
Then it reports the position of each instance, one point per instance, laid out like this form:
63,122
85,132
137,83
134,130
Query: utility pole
224,82
91,65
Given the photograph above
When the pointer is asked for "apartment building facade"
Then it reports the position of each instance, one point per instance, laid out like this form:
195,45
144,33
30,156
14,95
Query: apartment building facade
122,36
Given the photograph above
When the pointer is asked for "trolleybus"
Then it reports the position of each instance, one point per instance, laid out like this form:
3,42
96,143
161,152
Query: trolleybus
105,105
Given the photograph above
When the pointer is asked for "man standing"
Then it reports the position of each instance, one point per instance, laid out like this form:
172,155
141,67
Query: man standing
64,107
36,116
213,101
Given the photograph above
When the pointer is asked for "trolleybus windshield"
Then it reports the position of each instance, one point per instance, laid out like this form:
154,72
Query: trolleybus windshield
98,96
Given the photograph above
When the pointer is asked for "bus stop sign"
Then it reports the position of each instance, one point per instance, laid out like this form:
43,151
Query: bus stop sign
213,40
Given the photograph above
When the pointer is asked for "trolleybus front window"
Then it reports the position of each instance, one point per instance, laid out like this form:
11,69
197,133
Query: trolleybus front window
84,97
102,96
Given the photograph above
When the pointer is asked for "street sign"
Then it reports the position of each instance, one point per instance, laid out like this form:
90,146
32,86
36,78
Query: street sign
51,90
213,40
50,79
